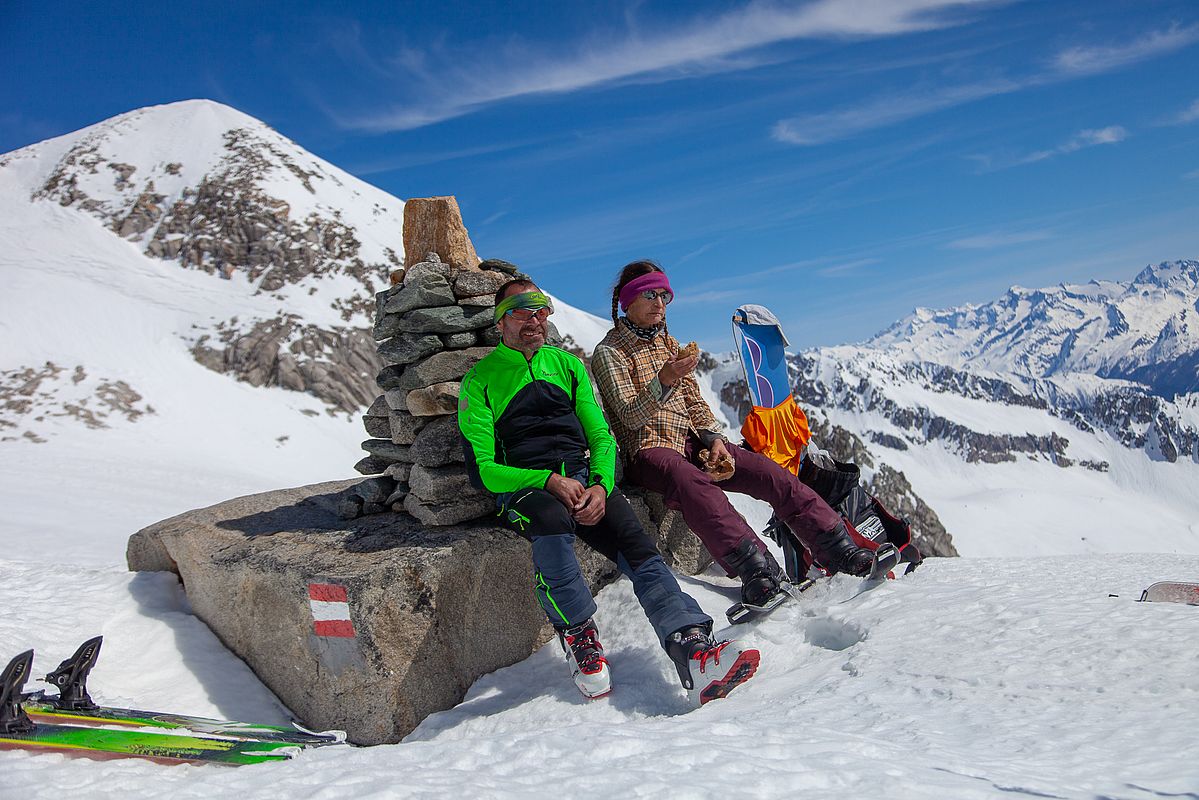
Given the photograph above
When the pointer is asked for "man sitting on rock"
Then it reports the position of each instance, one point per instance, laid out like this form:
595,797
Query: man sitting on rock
538,440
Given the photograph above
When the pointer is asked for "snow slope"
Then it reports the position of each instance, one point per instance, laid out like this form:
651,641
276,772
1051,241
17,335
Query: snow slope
970,678
81,297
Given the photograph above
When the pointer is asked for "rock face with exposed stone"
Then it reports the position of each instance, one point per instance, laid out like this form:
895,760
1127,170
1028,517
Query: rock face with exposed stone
422,611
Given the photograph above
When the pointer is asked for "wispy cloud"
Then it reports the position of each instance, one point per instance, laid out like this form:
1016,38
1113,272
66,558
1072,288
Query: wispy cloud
1089,60
1188,115
880,111
847,269
699,251
451,84
830,126
1112,134
407,160
1192,175
991,241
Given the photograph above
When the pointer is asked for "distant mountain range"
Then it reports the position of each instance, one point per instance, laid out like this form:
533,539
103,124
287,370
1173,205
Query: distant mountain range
1145,332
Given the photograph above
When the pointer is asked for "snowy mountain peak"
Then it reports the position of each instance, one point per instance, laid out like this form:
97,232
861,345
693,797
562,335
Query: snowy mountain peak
1182,276
1146,331
268,257
215,189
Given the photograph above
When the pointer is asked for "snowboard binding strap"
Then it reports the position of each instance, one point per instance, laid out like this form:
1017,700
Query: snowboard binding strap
71,677
13,718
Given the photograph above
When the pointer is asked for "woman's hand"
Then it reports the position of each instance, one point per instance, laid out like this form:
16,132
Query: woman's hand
674,370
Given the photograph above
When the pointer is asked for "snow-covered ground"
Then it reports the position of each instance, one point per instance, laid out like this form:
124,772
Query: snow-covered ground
970,678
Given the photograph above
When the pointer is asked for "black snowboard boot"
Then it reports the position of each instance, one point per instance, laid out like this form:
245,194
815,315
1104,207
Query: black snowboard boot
761,576
836,552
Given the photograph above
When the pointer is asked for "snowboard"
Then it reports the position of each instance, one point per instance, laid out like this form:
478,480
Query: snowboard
1172,592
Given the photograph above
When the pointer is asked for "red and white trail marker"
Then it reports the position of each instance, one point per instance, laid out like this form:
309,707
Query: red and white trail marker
330,610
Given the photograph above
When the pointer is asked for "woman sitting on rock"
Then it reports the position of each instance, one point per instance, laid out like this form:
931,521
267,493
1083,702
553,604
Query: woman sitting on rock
663,424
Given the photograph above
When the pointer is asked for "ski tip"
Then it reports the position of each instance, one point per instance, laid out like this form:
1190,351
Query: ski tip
331,736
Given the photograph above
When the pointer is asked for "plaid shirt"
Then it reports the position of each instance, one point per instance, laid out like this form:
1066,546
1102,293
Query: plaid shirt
642,412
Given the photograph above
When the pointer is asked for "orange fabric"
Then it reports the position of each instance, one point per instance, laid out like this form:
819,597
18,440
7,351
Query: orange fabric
780,433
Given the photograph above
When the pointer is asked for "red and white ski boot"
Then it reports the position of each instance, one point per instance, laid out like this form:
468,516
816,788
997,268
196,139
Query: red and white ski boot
585,656
709,669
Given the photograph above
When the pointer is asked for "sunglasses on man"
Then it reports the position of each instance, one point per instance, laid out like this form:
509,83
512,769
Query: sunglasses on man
526,314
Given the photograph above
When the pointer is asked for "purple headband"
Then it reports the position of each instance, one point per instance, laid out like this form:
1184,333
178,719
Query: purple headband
650,280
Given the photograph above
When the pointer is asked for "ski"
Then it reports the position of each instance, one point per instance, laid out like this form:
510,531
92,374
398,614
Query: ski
886,558
1172,592
42,709
73,706
20,732
163,748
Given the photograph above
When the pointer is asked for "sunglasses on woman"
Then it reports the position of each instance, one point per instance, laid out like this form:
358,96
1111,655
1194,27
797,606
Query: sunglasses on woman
660,294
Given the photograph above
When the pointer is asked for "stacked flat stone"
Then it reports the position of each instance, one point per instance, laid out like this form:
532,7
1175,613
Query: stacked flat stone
431,328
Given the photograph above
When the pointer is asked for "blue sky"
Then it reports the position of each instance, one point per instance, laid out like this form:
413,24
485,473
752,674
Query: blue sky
841,161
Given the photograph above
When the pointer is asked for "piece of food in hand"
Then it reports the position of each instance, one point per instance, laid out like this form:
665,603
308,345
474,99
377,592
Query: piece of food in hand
720,469
692,349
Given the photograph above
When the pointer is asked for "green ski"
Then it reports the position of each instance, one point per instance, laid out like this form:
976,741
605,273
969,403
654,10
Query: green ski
73,706
164,748
19,732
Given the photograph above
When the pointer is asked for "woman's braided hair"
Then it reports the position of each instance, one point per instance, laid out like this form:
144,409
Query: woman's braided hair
634,269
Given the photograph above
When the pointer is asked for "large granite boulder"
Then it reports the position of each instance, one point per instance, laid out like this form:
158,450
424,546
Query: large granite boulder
367,625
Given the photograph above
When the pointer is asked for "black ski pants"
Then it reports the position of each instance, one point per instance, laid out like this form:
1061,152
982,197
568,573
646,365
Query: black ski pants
542,519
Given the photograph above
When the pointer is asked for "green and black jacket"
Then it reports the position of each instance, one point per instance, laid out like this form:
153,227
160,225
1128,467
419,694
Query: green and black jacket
523,419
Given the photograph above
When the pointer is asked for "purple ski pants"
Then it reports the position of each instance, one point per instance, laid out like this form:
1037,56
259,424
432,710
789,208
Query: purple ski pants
707,510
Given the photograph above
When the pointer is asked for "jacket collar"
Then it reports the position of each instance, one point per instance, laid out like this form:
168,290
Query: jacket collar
510,356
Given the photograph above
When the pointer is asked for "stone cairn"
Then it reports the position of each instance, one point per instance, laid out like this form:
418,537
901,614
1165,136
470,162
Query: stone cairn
434,324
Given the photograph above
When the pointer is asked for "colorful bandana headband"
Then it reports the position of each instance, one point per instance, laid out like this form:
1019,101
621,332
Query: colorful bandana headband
642,283
529,300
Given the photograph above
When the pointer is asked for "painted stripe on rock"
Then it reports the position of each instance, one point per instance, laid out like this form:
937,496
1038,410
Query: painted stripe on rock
327,593
327,611
342,628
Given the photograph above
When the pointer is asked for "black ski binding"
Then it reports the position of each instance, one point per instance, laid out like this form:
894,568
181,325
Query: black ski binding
886,557
744,612
71,677
13,718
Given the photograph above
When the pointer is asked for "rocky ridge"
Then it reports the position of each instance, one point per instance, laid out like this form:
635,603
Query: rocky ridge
863,380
